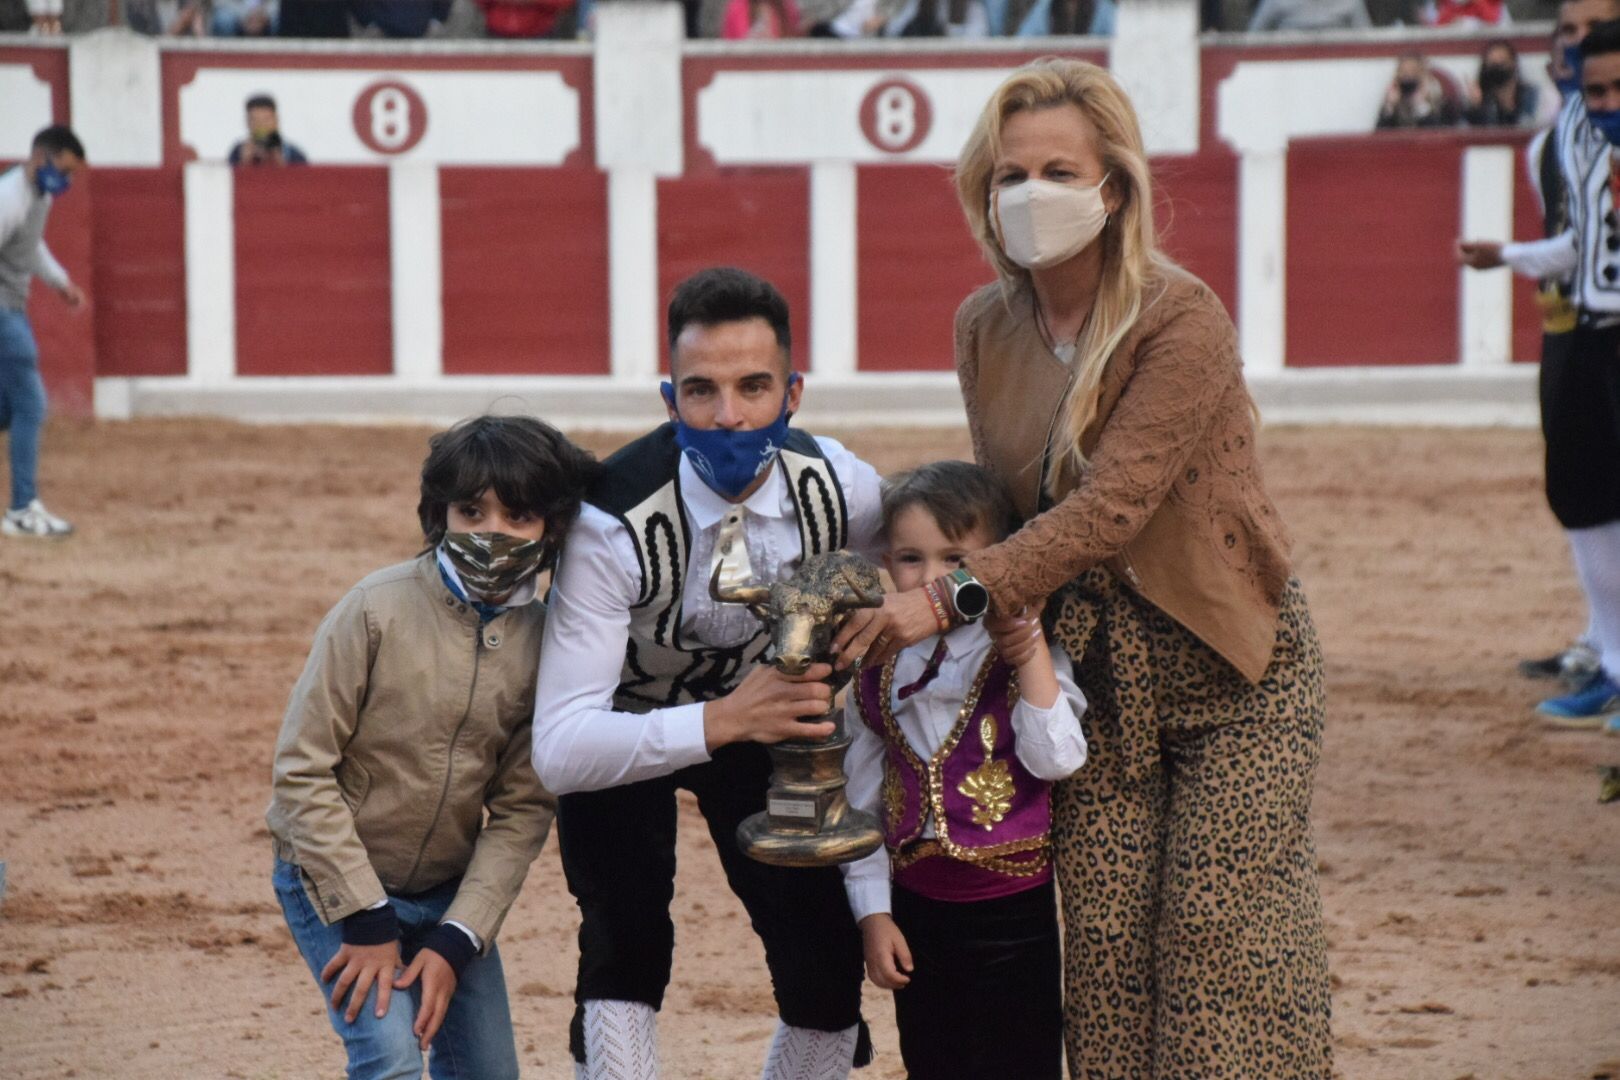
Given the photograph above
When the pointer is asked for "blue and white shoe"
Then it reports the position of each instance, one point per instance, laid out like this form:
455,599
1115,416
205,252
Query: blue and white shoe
1590,707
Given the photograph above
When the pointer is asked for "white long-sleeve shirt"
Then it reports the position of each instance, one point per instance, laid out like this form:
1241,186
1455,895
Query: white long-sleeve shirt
23,254
580,742
1048,741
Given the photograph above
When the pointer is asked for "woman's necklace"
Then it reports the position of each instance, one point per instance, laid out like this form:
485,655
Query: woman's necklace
1065,350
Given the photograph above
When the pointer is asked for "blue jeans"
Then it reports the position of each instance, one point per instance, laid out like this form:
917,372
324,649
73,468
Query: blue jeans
475,1041
22,402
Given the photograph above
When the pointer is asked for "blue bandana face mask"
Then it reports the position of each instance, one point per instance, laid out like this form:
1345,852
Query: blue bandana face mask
50,180
1570,84
728,461
1608,123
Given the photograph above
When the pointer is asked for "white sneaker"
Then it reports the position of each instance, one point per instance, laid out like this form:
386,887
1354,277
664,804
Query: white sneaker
35,521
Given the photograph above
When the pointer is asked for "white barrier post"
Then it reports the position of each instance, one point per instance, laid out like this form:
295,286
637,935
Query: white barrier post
210,195
1485,307
1154,54
115,88
1263,259
639,138
415,256
834,280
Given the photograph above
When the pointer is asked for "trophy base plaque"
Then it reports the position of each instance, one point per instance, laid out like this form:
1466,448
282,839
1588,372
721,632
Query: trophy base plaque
807,820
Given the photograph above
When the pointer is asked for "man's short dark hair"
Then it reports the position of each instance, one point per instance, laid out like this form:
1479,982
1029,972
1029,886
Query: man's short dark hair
57,138
528,463
262,101
1604,39
725,294
959,495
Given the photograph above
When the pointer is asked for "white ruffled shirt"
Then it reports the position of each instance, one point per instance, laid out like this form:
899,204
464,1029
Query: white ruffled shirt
580,742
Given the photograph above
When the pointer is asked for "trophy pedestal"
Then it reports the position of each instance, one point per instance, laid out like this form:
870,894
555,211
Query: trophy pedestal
807,820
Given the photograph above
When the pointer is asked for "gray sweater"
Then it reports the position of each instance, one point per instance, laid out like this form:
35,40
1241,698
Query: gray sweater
23,253
1309,15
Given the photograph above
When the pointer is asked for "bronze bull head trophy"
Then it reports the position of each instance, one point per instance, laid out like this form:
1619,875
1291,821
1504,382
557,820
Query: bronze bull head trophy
807,821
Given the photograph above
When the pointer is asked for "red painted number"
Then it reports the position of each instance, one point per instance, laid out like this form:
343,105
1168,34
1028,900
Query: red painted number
390,117
896,115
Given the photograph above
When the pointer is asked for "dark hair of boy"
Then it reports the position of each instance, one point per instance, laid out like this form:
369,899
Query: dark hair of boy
1604,39
530,465
261,101
57,138
959,495
725,294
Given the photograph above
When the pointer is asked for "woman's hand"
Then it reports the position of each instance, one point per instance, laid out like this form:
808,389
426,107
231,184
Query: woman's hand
874,635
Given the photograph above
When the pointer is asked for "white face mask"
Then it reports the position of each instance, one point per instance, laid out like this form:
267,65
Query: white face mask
1041,223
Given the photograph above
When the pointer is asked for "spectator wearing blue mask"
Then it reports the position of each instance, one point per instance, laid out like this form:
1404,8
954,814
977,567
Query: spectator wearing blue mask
27,191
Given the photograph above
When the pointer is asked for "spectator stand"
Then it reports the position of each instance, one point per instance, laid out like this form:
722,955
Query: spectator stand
489,219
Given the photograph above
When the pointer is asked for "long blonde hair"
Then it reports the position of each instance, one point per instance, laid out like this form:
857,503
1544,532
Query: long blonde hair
1130,254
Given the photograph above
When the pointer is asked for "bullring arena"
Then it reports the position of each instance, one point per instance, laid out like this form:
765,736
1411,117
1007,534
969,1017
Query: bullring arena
240,418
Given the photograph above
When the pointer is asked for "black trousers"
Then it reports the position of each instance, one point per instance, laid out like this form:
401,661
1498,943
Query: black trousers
985,1001
1580,418
618,853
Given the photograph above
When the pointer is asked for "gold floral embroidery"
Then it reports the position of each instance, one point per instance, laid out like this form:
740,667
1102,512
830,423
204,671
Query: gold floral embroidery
990,786
894,798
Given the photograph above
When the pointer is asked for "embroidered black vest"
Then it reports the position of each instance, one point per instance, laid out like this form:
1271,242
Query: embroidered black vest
640,485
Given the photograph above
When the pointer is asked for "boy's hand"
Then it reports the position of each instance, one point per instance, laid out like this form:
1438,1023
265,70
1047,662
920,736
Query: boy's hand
766,706
358,966
1016,638
888,957
438,983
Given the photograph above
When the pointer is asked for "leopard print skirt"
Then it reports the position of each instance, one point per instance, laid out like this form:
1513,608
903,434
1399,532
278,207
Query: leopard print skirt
1193,942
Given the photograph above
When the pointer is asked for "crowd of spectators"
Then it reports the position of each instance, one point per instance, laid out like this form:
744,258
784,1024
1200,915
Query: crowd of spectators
1419,96
731,19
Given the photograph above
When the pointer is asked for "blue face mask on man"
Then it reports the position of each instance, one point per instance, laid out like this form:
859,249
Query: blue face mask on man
1607,122
50,180
728,461
1571,83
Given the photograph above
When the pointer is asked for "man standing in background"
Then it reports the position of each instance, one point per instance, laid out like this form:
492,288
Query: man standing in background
264,144
26,193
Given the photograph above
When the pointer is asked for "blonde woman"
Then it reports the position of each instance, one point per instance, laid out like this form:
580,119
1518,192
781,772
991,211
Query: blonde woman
1103,383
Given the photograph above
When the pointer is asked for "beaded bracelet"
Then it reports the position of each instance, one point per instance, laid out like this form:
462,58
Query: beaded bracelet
936,600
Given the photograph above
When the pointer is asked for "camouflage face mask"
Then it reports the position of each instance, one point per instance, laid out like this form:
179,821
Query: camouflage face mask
492,564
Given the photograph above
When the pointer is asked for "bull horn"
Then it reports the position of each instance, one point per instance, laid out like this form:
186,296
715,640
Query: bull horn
737,594
857,596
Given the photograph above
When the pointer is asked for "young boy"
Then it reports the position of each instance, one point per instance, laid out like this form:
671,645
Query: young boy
411,720
954,745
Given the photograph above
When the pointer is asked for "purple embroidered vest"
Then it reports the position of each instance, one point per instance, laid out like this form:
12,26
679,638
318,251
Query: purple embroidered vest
992,818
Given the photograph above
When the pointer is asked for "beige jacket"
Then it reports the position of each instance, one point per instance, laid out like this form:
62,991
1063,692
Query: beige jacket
409,722
1172,500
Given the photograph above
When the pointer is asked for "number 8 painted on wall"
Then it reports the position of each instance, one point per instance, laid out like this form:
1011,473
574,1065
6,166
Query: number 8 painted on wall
896,115
390,117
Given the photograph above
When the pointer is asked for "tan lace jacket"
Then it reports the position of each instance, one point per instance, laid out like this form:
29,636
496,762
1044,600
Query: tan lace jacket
1171,499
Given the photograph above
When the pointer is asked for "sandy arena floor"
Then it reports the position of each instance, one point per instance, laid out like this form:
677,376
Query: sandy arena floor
1470,877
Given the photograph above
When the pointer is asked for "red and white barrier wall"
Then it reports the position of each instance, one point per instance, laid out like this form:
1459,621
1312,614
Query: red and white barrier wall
484,220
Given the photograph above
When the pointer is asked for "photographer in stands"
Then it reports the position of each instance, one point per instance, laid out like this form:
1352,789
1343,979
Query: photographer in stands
264,144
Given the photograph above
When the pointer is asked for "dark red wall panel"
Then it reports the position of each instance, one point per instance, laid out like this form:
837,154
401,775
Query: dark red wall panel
758,219
312,272
525,271
1196,213
917,263
1372,224
140,272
